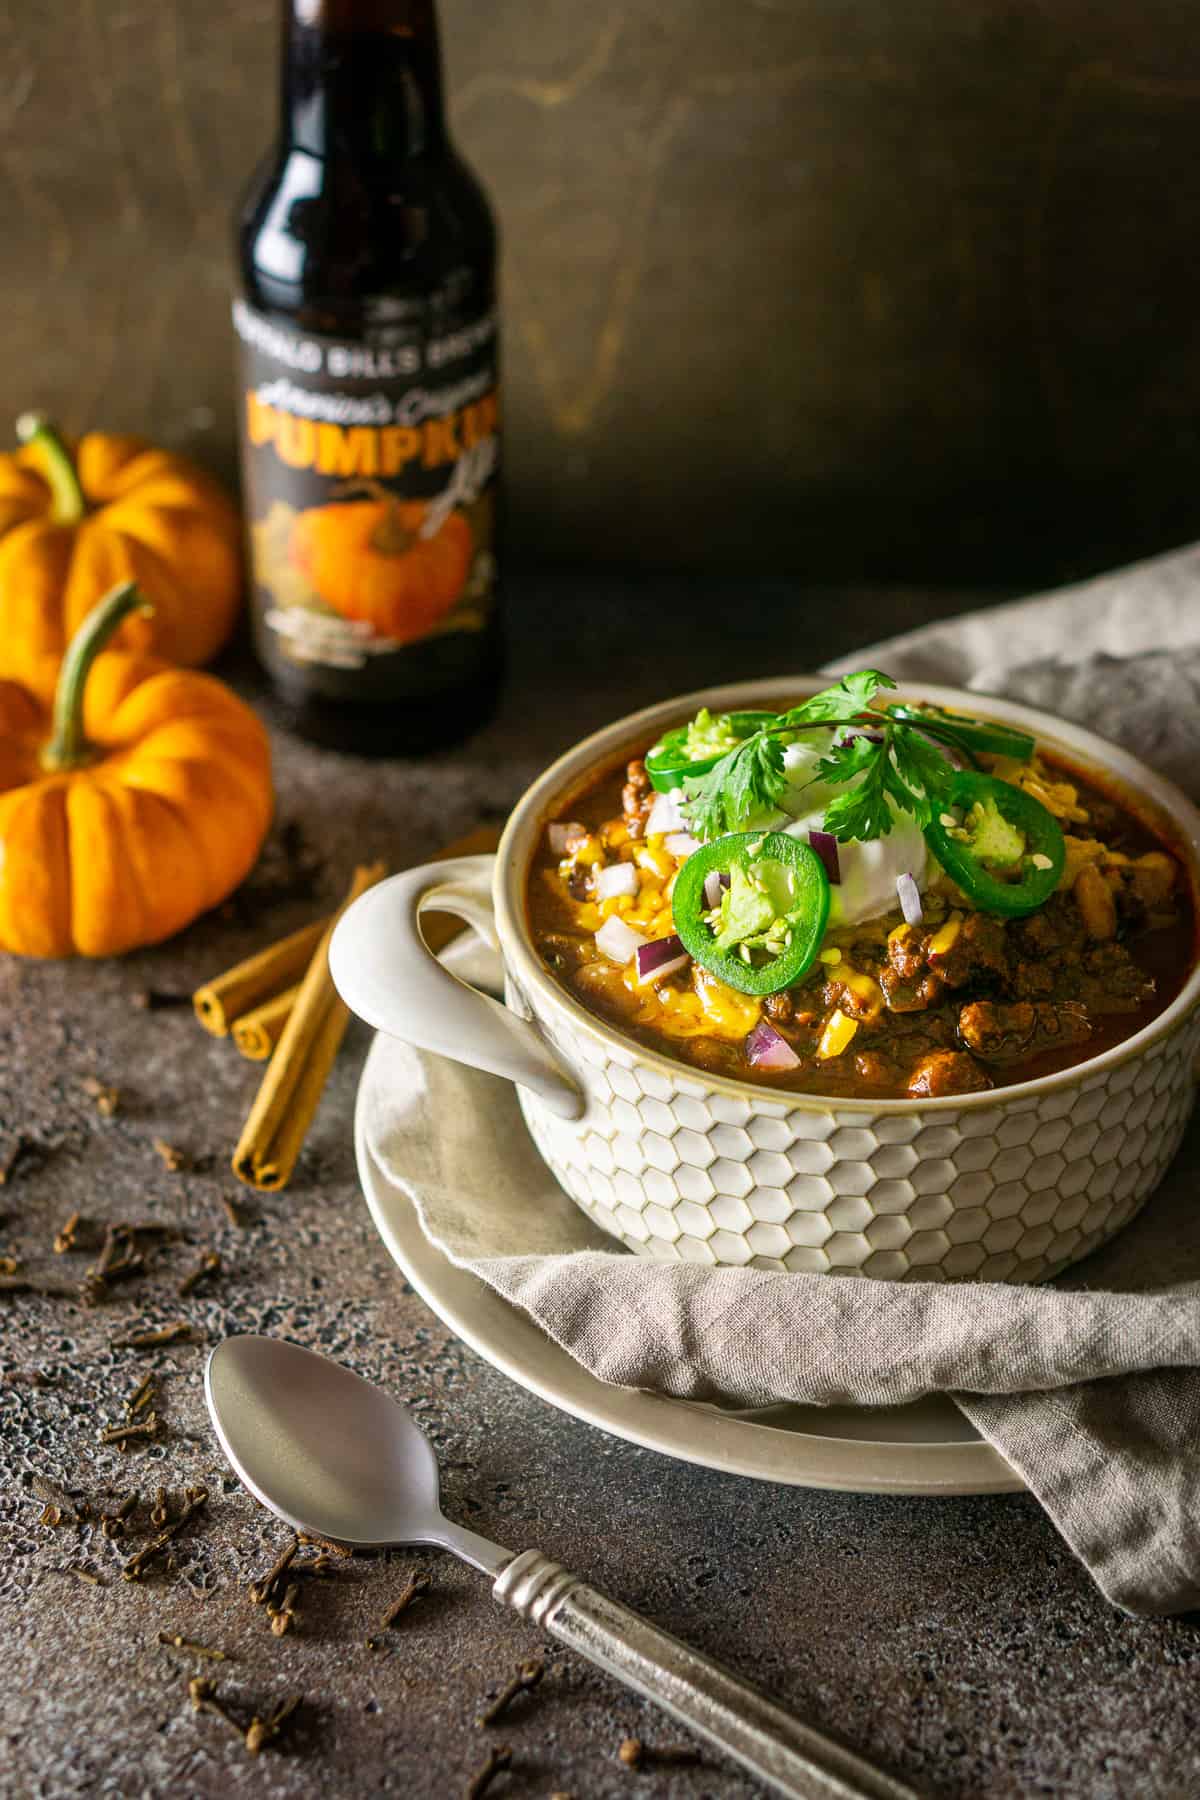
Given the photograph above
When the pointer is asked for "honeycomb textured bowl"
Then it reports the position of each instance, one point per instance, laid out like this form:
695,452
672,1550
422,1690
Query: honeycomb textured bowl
1012,1191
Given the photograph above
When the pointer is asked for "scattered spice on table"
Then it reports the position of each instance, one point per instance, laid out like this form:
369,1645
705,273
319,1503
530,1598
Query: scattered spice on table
178,1332
137,1565
233,1212
173,1158
176,1641
260,1732
497,1759
286,1615
55,1500
204,1698
636,1755
115,1524
141,1397
209,1264
413,1589
130,1432
10,1265
263,1589
158,1512
526,1678
107,1097
88,1576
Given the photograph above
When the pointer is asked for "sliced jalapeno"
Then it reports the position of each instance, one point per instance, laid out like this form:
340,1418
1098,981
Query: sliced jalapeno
962,733
759,925
692,750
1002,847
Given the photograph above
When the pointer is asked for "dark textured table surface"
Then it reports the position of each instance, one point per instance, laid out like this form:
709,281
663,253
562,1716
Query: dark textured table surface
954,1640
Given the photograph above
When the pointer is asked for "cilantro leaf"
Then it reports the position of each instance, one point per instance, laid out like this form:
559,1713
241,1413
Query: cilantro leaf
862,811
840,704
748,781
925,770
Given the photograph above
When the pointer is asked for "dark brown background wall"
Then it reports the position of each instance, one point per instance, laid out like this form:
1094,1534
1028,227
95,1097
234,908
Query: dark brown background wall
903,289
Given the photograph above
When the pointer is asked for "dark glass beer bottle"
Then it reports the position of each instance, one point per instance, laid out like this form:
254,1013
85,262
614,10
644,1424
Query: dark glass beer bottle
367,340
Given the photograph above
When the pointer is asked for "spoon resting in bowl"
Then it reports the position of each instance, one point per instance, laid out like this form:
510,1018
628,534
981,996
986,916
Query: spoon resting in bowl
331,1453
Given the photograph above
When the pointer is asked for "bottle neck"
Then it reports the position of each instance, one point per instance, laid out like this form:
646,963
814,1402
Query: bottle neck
364,76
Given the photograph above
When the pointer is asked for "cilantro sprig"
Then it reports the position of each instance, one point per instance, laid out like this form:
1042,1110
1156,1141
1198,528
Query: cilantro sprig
888,755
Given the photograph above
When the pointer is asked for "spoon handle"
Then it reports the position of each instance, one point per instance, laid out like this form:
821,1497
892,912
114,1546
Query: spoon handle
789,1756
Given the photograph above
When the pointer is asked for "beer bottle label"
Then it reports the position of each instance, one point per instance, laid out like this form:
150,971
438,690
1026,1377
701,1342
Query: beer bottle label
369,470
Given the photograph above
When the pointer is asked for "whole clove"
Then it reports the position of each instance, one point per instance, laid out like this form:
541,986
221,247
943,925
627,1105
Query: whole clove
142,1396
173,1158
287,1614
414,1588
204,1698
107,1098
176,1641
130,1432
263,1590
526,1678
57,1504
88,1576
497,1759
323,1543
209,1263
114,1524
158,1512
260,1732
78,1233
233,1212
636,1755
137,1565
176,1333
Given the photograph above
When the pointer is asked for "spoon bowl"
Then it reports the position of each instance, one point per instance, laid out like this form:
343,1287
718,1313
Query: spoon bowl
328,1451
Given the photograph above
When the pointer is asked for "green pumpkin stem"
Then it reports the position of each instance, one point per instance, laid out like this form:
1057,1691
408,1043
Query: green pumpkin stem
68,747
58,467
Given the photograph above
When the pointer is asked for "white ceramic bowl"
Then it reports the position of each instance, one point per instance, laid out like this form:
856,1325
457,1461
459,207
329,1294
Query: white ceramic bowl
1011,1184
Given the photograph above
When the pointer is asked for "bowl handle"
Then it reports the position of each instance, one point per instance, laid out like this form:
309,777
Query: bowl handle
386,973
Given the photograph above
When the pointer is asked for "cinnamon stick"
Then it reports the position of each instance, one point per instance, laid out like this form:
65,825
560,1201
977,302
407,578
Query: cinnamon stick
292,1086
257,1032
227,997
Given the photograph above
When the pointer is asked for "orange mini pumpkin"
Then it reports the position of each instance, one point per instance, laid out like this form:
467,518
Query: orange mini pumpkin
367,560
118,510
133,796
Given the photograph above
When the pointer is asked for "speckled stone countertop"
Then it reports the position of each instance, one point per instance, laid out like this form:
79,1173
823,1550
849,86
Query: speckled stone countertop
955,1641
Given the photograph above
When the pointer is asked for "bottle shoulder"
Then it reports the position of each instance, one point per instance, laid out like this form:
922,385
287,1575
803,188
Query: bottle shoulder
319,232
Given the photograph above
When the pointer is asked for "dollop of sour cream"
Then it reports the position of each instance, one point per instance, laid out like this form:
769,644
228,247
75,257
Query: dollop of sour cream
868,870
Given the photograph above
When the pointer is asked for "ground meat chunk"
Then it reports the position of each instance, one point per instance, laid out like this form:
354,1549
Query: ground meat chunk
780,1008
906,952
1112,981
978,952
909,996
637,798
999,1034
947,1072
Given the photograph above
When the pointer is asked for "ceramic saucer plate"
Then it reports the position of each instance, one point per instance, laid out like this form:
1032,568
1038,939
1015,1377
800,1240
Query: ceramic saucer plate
926,1448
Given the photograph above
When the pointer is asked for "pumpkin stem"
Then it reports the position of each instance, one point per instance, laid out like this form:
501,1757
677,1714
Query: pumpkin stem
68,747
58,467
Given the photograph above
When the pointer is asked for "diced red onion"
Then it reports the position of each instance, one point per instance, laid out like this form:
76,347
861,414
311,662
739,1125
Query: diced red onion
855,731
715,882
617,878
560,832
662,957
767,1050
618,941
910,899
680,843
826,847
665,815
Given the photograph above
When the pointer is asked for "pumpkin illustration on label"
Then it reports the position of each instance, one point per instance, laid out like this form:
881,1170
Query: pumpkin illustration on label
394,565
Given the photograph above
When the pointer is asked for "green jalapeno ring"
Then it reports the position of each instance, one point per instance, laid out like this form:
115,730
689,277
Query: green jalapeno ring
669,765
1041,860
962,733
804,925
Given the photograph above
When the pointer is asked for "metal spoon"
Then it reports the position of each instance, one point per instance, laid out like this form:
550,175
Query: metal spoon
333,1454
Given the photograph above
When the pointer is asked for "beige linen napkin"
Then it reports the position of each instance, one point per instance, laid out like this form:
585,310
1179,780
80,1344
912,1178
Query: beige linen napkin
1091,1388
